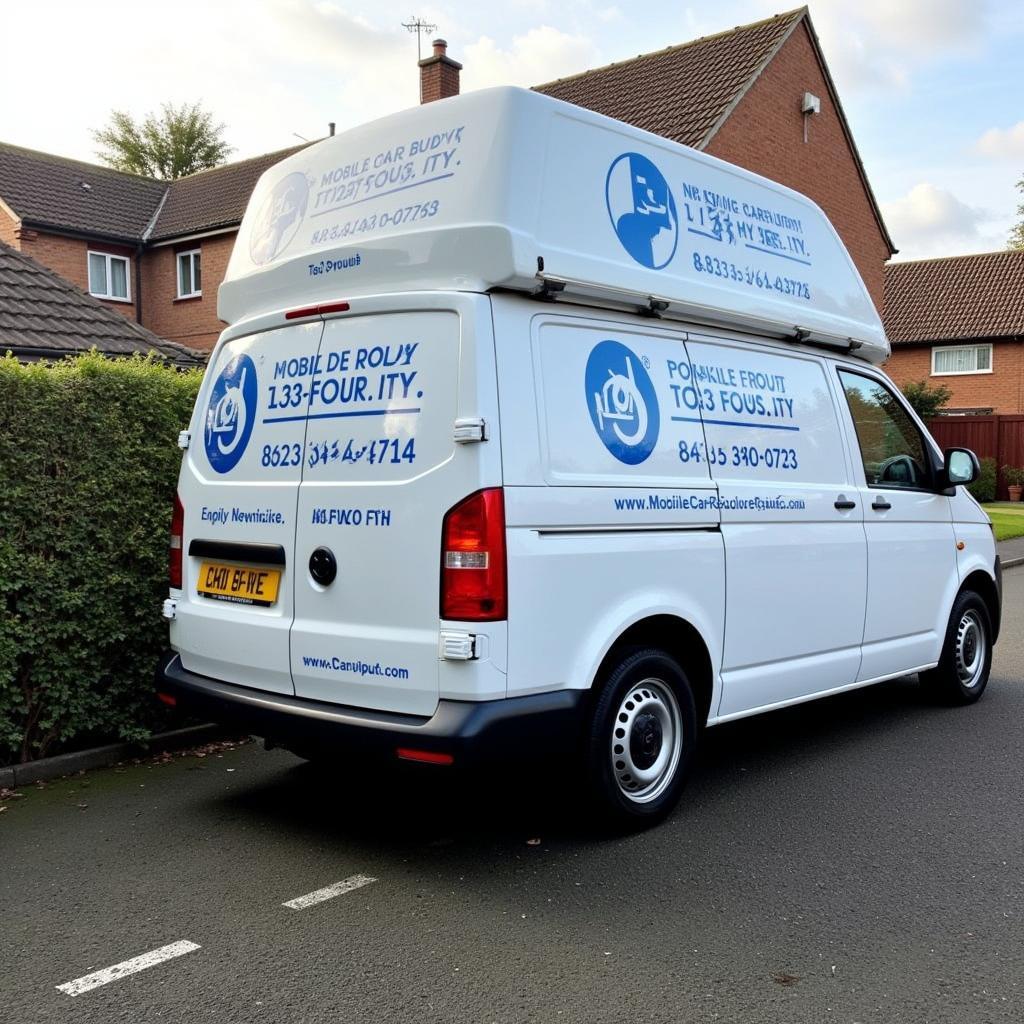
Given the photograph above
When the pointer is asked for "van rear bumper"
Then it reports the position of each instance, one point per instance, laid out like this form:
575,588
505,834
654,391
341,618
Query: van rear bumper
468,730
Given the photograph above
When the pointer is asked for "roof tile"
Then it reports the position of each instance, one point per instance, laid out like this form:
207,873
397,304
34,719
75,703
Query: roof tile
212,199
55,191
683,91
955,298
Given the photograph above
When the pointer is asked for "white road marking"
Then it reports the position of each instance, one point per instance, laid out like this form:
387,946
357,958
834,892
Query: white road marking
329,892
122,970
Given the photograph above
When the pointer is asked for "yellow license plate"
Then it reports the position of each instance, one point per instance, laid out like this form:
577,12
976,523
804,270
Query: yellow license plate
238,583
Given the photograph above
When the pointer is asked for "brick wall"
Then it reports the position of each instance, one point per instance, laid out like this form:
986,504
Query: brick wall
69,258
1002,390
191,322
765,134
9,229
439,74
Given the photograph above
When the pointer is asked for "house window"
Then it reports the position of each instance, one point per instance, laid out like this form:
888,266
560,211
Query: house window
954,359
190,282
109,276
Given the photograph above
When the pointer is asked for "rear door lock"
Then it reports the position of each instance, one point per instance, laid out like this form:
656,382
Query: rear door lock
323,566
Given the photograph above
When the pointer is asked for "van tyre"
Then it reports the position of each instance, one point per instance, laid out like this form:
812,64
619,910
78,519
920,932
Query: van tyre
641,740
962,672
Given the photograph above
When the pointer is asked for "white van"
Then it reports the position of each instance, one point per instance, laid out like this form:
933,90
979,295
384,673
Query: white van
533,432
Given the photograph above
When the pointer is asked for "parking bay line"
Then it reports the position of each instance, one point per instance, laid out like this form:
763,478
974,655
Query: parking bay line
328,892
126,967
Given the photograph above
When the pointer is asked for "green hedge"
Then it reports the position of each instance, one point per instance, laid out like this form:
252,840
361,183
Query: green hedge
88,467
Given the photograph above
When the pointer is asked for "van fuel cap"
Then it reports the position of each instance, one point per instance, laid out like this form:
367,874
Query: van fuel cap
323,566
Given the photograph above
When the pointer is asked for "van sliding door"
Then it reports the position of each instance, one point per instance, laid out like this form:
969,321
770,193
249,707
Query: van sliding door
792,521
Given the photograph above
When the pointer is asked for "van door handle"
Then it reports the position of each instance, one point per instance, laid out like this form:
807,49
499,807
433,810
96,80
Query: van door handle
881,505
843,504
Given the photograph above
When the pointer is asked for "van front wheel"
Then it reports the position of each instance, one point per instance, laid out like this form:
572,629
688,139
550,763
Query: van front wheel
962,672
642,737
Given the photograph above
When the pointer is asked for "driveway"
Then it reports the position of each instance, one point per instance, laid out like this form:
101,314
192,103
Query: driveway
858,859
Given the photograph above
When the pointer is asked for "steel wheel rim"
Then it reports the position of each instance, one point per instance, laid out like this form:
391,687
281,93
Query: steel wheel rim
971,649
646,741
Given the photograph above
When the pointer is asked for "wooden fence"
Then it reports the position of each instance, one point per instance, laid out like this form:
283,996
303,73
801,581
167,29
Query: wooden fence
989,437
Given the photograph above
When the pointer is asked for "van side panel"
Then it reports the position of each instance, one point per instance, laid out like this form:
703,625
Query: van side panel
573,593
607,524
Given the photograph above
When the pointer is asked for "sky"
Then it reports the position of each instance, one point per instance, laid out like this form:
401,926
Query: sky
933,89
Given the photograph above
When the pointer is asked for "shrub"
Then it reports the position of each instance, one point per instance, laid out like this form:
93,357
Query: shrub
984,488
927,401
1013,475
88,467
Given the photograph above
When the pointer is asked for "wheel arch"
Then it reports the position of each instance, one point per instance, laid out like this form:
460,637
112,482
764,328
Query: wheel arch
682,641
985,587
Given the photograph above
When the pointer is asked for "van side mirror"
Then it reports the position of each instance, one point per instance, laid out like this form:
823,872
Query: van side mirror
960,466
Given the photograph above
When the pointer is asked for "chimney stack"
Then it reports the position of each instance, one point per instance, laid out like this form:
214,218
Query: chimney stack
439,74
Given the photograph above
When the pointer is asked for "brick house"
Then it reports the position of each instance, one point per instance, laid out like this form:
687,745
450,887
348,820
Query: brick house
971,342
141,247
760,96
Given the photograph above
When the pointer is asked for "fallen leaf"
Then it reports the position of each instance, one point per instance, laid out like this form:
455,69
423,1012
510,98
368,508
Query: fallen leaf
785,978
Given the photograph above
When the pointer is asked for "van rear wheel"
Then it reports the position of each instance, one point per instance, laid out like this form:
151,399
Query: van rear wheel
643,732
963,669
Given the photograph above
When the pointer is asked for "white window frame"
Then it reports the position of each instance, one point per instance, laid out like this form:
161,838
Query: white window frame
197,293
108,257
960,348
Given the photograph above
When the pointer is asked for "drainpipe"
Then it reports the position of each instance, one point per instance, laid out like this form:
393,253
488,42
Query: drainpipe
138,283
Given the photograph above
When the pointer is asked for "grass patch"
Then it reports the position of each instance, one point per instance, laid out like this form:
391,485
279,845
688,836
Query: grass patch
1007,518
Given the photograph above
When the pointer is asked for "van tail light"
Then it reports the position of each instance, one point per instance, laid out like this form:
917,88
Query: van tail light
177,531
321,310
474,577
424,756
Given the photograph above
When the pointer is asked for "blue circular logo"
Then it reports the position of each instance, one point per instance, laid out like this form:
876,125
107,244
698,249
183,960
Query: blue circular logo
231,413
622,403
278,218
642,210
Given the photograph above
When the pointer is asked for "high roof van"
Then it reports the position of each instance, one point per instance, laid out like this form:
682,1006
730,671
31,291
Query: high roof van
536,433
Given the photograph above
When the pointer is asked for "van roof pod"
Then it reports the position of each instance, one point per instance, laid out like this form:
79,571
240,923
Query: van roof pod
507,188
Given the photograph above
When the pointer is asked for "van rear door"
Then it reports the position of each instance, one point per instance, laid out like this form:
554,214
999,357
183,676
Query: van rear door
382,468
239,484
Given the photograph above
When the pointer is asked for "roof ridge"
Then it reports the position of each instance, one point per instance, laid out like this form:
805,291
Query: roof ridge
247,160
962,256
783,16
57,158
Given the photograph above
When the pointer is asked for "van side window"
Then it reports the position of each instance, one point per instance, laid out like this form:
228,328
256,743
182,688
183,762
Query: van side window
891,446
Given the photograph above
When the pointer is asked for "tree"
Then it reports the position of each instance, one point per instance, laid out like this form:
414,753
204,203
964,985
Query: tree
1016,239
927,401
178,141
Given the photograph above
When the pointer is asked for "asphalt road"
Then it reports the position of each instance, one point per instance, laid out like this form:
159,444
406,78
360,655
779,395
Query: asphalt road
858,859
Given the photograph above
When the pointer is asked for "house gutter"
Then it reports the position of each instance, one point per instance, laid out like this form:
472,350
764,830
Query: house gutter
140,248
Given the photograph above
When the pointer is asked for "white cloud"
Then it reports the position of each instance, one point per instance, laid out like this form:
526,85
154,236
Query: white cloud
540,55
1002,143
878,44
931,221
